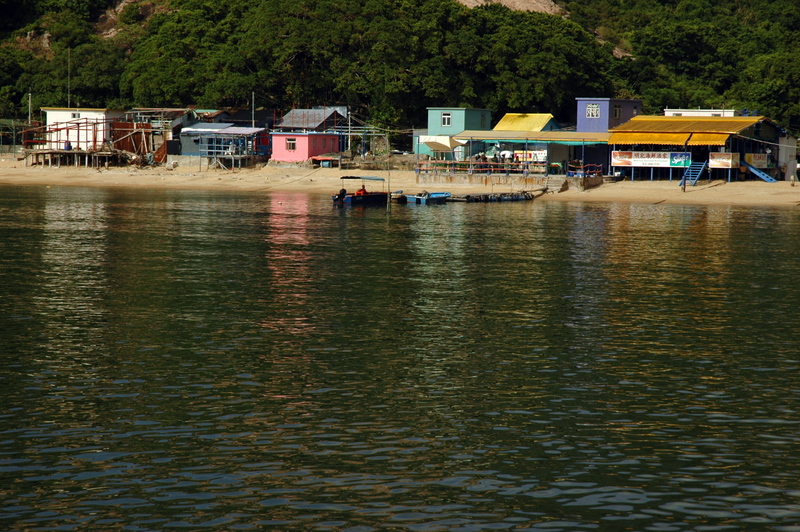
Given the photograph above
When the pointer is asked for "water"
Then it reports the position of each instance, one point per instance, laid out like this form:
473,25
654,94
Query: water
192,360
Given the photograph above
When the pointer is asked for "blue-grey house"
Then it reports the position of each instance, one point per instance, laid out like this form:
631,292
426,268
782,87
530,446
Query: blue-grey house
216,140
443,124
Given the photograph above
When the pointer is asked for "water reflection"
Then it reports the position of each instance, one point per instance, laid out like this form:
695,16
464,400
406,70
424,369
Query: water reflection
187,360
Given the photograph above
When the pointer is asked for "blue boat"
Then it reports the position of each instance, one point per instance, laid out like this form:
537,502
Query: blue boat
427,198
361,196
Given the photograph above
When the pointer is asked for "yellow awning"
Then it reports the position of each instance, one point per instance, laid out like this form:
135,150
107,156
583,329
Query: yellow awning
708,139
687,124
670,139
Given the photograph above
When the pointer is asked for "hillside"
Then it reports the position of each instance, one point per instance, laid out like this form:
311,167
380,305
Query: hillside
538,6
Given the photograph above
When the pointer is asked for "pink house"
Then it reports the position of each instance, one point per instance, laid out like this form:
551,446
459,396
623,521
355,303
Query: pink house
298,147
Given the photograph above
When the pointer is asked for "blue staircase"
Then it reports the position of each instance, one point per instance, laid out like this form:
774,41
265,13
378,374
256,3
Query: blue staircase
758,173
692,173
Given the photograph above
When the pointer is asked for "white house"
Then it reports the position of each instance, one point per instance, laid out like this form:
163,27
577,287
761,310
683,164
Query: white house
77,128
702,112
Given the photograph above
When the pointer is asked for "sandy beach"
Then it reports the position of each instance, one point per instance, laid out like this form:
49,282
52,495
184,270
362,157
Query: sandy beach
326,181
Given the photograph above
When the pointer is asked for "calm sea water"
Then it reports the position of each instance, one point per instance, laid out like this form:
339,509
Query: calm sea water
192,360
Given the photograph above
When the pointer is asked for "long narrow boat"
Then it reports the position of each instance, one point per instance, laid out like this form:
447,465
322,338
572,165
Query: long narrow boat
502,196
361,196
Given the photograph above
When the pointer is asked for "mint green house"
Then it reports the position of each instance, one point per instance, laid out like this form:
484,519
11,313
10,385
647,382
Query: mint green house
445,122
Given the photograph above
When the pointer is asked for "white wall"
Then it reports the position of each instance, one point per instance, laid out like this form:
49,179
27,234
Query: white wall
84,129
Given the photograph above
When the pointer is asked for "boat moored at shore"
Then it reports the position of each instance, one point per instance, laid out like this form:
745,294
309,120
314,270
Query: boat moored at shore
428,198
362,196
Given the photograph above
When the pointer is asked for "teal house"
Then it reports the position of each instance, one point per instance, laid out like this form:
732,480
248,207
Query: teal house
443,124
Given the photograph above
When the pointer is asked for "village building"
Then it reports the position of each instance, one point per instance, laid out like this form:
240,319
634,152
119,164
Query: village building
78,129
223,145
598,115
152,132
310,134
706,112
71,136
444,123
259,118
690,147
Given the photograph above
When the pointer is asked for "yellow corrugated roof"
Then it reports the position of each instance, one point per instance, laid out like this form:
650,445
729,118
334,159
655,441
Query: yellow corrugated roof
687,124
523,122
708,139
669,139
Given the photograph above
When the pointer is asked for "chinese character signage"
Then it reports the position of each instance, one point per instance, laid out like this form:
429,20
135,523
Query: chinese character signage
533,156
662,159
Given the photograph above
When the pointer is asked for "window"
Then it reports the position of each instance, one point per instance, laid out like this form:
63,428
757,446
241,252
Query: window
291,144
446,120
483,121
592,110
314,143
324,143
76,115
617,110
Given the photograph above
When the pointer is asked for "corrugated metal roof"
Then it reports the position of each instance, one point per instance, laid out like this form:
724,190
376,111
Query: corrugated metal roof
687,124
708,139
308,118
553,137
668,139
523,122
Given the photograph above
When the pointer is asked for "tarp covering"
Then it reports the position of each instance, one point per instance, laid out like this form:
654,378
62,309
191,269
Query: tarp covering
708,139
440,142
669,139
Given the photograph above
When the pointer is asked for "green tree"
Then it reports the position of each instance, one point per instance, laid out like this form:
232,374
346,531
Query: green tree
771,85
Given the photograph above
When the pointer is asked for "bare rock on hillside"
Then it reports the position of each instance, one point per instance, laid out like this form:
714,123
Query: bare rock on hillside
540,6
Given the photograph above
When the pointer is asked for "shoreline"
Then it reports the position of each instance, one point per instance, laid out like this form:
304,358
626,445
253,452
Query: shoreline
326,181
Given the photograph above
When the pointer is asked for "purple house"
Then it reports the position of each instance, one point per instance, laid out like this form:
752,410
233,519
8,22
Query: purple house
598,115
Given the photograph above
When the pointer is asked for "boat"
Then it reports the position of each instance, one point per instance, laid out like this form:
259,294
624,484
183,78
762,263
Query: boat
492,198
428,198
398,197
361,196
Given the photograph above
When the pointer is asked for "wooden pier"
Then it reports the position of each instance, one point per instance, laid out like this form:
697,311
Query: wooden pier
75,158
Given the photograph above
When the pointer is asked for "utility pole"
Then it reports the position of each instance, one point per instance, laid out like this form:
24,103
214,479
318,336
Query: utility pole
69,77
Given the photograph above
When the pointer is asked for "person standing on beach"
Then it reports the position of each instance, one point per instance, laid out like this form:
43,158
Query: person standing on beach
791,170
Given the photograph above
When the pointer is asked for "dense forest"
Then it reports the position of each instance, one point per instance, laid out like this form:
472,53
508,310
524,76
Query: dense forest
390,59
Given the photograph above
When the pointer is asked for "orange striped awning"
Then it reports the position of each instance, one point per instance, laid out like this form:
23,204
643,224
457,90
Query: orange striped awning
670,139
708,139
